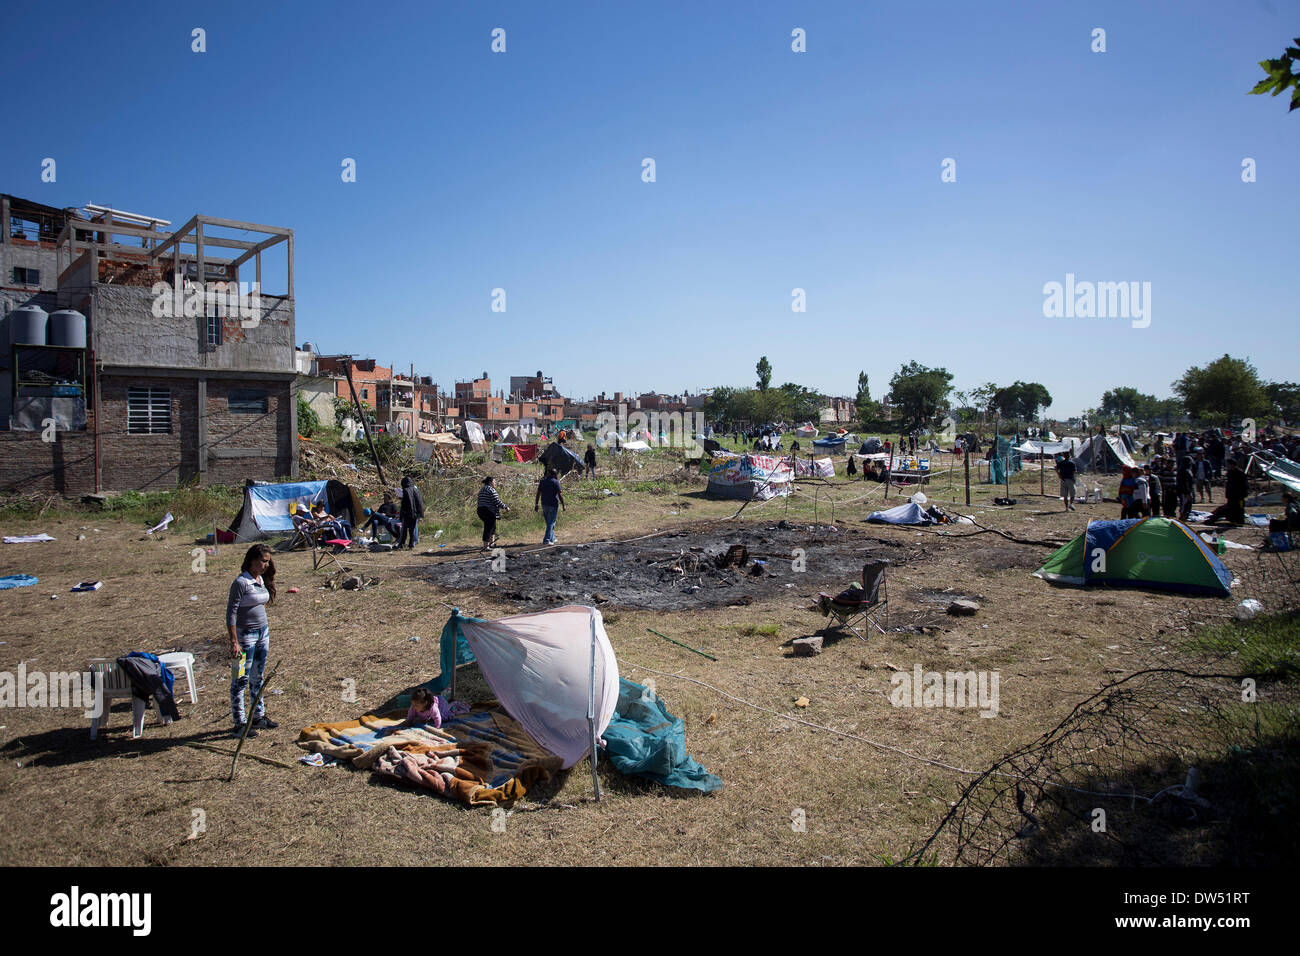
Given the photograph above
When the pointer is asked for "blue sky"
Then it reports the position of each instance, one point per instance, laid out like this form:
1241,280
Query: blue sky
775,170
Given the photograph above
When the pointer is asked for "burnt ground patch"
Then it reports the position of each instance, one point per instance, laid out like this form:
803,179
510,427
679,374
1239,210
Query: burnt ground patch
680,570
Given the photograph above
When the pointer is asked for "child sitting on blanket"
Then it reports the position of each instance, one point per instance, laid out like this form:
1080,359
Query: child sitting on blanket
425,708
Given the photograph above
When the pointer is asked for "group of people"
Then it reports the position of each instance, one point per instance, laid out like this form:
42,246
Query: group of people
402,521
549,499
1182,474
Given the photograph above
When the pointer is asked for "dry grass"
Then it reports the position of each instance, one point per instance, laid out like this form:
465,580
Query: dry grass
120,801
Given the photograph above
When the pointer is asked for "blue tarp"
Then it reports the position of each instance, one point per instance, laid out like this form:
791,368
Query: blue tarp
645,740
909,513
17,581
830,444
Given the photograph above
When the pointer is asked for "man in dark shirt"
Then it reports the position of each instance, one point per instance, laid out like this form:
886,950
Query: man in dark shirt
551,497
1065,468
1235,489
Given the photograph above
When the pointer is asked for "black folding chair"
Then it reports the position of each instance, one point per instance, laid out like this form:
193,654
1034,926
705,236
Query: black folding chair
860,608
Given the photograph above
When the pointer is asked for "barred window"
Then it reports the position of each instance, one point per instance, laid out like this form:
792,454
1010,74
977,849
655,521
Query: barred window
148,411
247,401
214,327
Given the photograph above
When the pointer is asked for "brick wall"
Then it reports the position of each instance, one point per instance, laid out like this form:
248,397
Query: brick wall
65,466
148,462
229,430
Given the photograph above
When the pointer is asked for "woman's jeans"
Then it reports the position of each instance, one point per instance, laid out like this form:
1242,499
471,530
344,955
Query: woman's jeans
255,643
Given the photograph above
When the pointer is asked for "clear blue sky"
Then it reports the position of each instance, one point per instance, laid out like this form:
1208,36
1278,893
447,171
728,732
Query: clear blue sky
775,170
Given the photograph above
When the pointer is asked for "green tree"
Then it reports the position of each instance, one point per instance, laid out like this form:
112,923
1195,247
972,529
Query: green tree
1285,397
1124,400
1021,400
919,391
764,370
867,410
1280,78
308,420
1223,392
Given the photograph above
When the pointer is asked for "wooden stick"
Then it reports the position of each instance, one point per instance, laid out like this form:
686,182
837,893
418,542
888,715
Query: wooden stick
230,753
248,721
680,644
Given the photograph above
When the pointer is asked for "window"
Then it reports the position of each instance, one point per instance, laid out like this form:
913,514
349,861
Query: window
214,326
247,401
26,276
148,411
364,395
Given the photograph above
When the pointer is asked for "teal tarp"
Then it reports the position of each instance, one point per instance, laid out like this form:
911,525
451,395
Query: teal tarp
642,740
1005,458
645,740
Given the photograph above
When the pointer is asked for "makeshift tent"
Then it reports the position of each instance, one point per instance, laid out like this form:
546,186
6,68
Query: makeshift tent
710,446
747,477
553,671
1282,470
1006,459
910,513
1159,553
1098,453
836,444
870,447
265,510
1068,446
506,451
510,436
814,468
635,446
805,431
561,458
443,446
472,434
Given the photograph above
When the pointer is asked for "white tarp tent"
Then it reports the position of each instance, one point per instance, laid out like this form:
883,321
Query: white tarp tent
550,670
1068,446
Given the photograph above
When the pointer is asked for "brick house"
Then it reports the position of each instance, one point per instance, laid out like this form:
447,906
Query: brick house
180,380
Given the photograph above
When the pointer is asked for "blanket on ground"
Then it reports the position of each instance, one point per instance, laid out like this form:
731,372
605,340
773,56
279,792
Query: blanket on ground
480,758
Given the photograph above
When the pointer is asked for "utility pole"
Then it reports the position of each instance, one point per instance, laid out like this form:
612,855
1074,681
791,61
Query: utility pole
347,368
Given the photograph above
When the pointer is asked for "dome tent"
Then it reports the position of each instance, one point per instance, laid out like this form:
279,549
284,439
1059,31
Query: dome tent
1158,553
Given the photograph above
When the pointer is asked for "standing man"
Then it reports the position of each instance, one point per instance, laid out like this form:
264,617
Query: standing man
551,497
412,510
589,459
1203,469
1065,468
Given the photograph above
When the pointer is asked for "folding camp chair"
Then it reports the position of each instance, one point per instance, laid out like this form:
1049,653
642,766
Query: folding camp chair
320,550
860,607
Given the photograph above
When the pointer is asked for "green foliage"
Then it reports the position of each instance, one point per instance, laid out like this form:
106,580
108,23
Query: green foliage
1285,397
919,391
867,409
1280,78
1266,648
764,370
308,420
1223,392
1021,400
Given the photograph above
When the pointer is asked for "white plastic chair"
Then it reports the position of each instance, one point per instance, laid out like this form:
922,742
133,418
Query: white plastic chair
115,684
182,661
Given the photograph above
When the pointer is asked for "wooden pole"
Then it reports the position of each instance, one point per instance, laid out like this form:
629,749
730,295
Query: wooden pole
591,709
248,721
966,461
347,367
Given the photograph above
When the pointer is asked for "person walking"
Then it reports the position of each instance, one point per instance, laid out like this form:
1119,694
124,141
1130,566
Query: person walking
1153,490
490,507
1185,484
1065,470
1203,470
412,510
250,635
589,459
1141,495
551,497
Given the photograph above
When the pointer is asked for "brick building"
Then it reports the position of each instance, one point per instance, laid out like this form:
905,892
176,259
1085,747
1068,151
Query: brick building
173,376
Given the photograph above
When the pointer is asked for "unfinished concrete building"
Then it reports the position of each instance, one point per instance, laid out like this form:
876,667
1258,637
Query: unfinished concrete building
183,371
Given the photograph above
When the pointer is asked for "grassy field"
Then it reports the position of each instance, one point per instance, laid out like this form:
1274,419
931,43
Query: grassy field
870,780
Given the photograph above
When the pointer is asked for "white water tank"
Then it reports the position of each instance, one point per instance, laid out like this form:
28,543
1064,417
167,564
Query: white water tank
27,325
67,328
